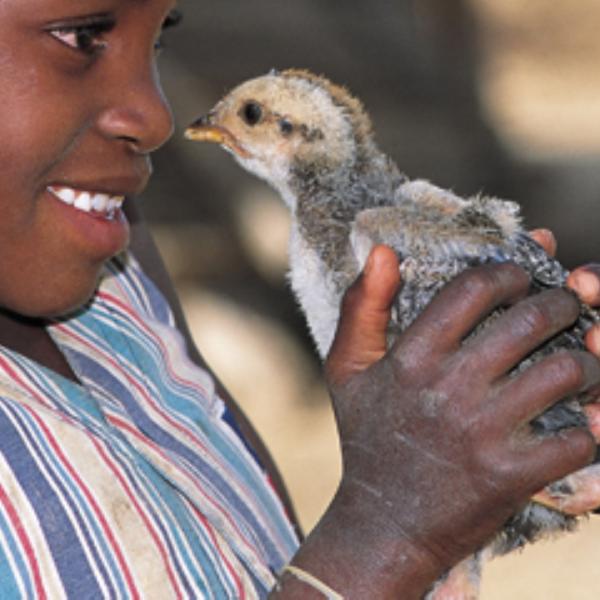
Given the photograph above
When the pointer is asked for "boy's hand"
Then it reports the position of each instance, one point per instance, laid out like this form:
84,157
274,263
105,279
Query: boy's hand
435,436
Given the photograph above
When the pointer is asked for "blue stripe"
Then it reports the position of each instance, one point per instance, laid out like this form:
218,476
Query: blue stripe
183,524
166,440
73,496
140,350
161,492
147,495
62,508
166,524
8,582
140,288
75,572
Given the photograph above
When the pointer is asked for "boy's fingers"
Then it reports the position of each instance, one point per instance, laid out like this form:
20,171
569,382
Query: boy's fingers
585,282
592,412
459,307
546,382
592,340
365,314
558,455
545,238
518,331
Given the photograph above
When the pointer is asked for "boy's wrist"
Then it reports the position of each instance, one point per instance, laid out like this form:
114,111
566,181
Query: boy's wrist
360,554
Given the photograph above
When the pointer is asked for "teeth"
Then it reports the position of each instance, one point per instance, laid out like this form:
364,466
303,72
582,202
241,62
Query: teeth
100,201
88,201
67,195
113,204
83,201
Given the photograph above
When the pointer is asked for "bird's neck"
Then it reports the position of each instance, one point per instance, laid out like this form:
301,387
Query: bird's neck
327,201
325,223
365,180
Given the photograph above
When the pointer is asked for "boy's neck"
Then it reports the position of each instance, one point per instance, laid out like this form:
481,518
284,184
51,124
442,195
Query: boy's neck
30,338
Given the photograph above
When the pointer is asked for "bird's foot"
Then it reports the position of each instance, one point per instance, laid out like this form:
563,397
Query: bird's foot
461,582
576,494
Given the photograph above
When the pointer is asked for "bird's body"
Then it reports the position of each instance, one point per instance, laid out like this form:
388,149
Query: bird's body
312,141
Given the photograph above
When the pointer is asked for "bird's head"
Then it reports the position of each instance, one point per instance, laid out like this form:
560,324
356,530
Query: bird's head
287,125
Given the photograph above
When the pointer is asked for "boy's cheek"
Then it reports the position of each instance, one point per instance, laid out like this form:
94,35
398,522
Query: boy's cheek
49,295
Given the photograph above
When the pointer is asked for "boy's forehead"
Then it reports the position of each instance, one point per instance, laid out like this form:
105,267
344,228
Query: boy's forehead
95,5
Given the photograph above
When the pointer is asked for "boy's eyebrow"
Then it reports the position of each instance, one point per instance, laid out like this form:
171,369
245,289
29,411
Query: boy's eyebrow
173,19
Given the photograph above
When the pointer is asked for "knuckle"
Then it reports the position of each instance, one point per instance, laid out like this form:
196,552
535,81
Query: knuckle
504,470
585,444
476,283
533,317
497,467
352,296
487,281
512,270
567,367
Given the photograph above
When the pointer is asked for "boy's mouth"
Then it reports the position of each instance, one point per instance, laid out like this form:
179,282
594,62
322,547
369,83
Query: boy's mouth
95,203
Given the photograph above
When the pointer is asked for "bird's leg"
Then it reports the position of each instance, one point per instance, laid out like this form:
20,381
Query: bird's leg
576,494
461,582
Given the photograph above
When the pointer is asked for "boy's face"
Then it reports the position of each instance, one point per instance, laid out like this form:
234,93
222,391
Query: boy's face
81,109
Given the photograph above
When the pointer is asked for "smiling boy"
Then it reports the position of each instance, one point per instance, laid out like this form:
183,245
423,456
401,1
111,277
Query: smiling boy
125,470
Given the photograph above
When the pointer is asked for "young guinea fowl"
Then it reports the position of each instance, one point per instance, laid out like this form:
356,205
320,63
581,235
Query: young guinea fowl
312,141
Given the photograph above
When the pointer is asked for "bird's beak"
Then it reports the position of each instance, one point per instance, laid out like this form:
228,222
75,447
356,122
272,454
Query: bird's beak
203,131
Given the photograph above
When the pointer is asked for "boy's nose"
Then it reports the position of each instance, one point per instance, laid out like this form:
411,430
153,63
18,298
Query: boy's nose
139,114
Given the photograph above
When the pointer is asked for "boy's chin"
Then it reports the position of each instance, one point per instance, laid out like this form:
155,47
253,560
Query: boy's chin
54,306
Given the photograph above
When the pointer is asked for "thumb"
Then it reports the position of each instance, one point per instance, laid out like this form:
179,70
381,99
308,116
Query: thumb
360,339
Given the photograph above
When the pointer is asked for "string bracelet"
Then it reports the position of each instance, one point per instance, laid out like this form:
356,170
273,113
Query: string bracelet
313,582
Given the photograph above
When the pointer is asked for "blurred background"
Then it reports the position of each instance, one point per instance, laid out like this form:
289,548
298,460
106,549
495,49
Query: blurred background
494,96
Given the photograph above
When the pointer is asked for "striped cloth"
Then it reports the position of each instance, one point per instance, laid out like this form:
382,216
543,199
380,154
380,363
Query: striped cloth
133,483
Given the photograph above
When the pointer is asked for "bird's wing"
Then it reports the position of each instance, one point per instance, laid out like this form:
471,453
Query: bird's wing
544,270
430,197
432,248
482,221
429,236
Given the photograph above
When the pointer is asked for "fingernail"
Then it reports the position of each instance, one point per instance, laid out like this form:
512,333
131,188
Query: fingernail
546,238
592,340
585,284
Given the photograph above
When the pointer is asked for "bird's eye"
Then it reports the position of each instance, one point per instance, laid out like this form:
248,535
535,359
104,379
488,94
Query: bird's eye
285,127
251,113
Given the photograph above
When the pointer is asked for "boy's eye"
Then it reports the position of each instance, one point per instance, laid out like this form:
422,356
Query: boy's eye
87,37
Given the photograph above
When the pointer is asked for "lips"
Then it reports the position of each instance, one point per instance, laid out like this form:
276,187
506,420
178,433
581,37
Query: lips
88,217
97,203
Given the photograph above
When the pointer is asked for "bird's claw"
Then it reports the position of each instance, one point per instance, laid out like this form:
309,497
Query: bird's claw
574,495
461,582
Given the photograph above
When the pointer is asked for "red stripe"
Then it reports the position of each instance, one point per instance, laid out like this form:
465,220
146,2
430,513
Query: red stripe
158,449
15,376
79,482
25,543
143,324
138,386
188,434
232,572
90,499
154,534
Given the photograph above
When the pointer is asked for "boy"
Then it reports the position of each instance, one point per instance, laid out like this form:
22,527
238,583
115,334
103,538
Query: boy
124,471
